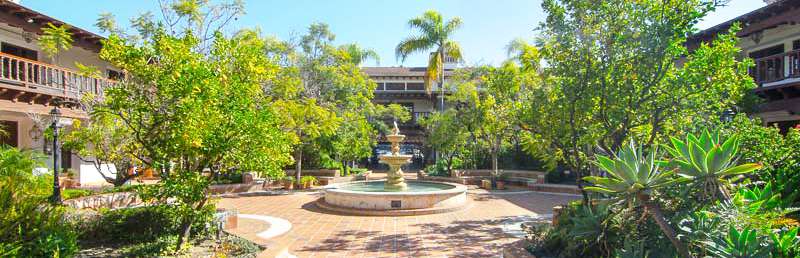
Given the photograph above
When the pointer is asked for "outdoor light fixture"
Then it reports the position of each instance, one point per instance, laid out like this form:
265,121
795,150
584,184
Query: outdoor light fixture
57,123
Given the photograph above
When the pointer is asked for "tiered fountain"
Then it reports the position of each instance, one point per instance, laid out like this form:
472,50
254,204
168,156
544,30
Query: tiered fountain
395,195
394,178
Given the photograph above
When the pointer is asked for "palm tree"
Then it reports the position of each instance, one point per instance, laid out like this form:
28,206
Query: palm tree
631,179
434,34
523,52
360,55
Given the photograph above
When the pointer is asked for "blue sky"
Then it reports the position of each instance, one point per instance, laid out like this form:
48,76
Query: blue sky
378,24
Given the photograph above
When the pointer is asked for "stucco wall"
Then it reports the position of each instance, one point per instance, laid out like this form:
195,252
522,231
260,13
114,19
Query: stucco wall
66,59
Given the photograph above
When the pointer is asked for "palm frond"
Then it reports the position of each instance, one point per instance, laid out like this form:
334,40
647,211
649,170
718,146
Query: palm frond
452,25
453,50
432,75
413,44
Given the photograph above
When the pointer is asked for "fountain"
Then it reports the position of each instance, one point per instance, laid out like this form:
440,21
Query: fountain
394,196
394,179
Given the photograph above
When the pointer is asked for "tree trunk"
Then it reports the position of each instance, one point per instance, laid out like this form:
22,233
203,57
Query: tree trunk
298,157
494,163
186,229
186,226
658,216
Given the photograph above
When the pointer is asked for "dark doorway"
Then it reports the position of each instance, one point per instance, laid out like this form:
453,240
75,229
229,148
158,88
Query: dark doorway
19,51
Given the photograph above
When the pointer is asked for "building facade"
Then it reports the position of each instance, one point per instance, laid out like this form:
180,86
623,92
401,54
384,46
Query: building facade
405,86
771,37
32,83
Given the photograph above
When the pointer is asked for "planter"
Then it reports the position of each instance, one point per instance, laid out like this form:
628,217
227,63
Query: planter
306,185
67,182
148,173
288,185
501,185
486,184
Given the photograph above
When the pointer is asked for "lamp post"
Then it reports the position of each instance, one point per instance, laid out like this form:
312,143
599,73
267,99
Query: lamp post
56,116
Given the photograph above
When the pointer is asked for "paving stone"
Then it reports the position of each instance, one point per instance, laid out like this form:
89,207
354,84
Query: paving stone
477,231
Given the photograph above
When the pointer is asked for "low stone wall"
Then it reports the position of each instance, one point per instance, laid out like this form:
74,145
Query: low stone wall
315,172
555,188
233,188
534,184
488,173
129,199
109,201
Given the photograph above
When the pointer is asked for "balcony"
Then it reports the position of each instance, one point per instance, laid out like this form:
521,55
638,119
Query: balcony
775,68
29,77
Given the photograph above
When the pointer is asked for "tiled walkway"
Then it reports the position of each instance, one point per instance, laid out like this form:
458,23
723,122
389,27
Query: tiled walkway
473,232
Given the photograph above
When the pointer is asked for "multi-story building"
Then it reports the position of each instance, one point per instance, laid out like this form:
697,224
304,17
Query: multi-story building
771,37
32,83
406,86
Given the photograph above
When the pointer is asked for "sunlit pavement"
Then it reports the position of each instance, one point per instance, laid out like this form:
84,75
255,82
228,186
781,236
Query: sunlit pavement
480,230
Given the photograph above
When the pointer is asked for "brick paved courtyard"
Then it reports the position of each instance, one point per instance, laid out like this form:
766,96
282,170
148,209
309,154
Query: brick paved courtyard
476,231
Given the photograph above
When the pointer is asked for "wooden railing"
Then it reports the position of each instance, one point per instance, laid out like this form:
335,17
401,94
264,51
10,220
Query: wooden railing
771,68
49,78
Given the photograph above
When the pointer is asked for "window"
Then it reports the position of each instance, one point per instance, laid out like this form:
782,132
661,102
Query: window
773,50
19,51
395,86
416,86
11,130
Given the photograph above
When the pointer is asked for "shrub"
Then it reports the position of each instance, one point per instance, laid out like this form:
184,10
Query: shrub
67,194
308,180
438,169
141,224
29,226
779,153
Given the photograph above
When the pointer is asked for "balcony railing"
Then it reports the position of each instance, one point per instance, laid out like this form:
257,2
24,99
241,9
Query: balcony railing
777,67
49,79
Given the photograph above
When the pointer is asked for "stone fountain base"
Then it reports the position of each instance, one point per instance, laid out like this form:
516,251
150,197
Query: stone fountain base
341,200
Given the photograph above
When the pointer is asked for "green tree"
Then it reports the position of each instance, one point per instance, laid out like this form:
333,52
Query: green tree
434,35
489,100
619,70
320,89
55,39
360,55
105,141
192,110
448,135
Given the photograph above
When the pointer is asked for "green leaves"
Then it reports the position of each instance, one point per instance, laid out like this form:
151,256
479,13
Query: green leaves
707,160
55,39
739,244
786,243
434,34
629,173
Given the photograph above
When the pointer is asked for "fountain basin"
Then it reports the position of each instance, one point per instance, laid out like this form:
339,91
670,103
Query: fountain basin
370,198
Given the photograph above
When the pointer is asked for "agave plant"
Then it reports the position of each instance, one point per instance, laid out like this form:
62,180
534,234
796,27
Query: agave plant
632,177
708,161
758,199
786,243
739,244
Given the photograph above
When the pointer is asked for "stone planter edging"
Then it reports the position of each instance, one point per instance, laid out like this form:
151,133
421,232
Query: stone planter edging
109,201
